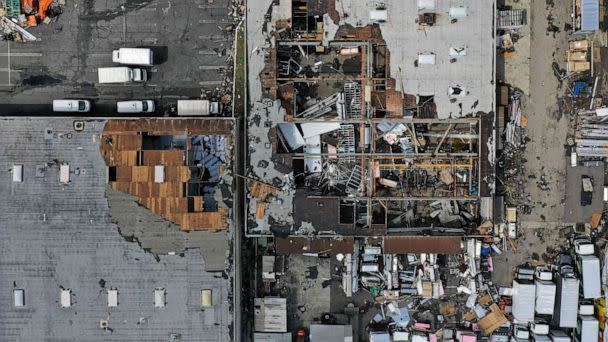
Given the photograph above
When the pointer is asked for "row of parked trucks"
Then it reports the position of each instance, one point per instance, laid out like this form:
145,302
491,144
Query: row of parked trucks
561,297
125,74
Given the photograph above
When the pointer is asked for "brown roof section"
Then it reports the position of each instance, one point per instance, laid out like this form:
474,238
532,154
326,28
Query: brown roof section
170,126
419,244
121,148
300,245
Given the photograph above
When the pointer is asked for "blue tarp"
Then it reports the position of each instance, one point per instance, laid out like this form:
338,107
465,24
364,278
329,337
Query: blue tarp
590,15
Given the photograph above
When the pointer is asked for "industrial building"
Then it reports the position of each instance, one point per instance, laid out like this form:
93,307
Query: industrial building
371,121
78,267
370,154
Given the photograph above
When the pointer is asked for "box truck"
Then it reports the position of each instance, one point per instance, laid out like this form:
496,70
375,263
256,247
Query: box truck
566,300
122,75
133,56
197,107
589,271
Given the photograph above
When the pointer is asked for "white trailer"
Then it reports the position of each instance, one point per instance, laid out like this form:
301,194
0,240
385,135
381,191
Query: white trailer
121,75
197,107
589,269
133,56
545,297
566,301
523,301
587,329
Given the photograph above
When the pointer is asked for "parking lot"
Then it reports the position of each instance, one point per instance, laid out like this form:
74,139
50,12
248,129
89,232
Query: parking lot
189,39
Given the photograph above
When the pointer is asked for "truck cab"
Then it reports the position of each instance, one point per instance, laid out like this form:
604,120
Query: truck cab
582,245
543,273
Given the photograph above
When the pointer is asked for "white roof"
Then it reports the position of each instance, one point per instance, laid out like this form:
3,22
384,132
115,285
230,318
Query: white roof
292,135
475,31
310,129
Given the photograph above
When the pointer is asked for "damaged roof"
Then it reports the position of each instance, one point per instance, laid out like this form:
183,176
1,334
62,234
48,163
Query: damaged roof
422,244
300,245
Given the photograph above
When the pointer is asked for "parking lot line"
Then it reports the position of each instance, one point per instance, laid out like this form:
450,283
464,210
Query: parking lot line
212,21
211,67
217,37
207,52
21,54
8,47
207,7
203,83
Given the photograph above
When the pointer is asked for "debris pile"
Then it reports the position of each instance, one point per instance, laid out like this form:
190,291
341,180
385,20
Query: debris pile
592,133
431,297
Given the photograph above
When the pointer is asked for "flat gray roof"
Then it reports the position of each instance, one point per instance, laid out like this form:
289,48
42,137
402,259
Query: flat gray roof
405,41
56,235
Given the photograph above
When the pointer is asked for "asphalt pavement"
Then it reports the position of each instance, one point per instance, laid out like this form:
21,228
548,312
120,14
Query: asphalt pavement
189,38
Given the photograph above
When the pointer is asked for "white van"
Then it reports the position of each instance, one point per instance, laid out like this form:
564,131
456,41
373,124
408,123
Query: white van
139,106
81,106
